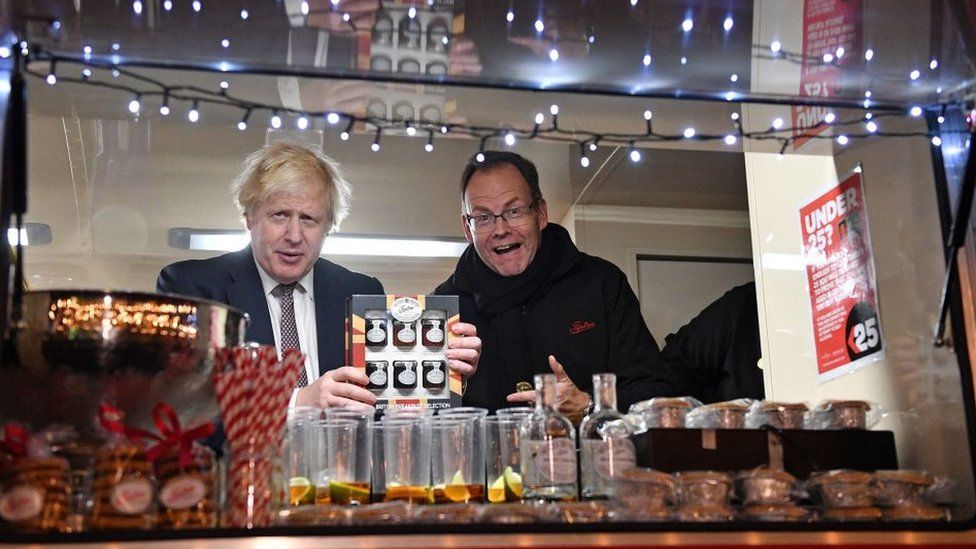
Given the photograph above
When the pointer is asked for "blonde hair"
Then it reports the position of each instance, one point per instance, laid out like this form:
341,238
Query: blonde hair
283,167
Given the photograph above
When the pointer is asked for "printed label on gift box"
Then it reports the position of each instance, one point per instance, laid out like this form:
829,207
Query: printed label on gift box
182,492
21,503
132,497
611,456
406,309
555,460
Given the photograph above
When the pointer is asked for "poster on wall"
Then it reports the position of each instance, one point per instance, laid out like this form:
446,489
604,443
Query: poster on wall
841,277
831,30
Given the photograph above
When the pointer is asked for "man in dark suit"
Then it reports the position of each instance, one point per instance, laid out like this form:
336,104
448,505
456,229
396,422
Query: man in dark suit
291,198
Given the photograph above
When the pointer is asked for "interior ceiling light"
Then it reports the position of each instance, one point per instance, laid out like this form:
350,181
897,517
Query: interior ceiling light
31,234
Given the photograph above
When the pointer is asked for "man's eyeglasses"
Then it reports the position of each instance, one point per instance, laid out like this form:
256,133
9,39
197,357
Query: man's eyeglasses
513,216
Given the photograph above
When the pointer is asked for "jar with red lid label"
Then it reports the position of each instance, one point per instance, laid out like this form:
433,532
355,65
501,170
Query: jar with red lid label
433,332
404,333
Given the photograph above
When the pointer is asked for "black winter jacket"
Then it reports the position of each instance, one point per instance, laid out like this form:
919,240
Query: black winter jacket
715,354
583,312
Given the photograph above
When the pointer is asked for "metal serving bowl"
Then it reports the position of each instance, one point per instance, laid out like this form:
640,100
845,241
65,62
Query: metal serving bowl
76,348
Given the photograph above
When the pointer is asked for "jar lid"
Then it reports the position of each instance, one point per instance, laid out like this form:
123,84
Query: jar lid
732,405
700,477
904,475
767,473
840,476
835,404
660,402
642,474
771,406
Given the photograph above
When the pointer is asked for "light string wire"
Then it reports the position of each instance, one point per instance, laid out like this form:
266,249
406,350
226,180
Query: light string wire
197,96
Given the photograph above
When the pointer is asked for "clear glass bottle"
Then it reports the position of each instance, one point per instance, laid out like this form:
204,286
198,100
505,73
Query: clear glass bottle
548,448
605,440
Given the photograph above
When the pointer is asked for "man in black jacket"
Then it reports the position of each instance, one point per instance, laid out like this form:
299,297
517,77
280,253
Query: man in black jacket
717,352
535,297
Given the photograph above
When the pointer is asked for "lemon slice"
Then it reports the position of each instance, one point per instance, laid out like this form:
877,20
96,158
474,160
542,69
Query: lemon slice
458,478
496,492
300,491
343,494
457,489
513,483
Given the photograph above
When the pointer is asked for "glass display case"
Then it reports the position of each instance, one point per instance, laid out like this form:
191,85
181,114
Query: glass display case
817,151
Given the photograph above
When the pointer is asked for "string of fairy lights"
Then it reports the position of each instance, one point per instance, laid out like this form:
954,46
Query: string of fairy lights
352,17
111,72
545,126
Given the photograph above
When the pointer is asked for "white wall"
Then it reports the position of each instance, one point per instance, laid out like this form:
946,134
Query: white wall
619,234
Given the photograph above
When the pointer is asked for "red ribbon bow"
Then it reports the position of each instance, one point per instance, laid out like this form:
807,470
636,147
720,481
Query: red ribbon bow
168,423
112,419
14,440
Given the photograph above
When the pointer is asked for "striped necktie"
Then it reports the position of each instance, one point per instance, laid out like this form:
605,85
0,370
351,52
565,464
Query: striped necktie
289,330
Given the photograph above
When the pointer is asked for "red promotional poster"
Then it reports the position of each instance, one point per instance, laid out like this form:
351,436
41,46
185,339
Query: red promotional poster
840,272
831,39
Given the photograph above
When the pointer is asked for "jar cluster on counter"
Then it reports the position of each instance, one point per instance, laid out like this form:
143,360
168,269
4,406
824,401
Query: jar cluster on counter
687,412
53,481
121,490
646,495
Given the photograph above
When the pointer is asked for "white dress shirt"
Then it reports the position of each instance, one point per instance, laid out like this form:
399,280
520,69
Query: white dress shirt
304,300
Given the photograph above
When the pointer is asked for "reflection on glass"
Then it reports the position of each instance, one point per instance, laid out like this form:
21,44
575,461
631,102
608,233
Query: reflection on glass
436,68
380,63
383,30
403,111
409,66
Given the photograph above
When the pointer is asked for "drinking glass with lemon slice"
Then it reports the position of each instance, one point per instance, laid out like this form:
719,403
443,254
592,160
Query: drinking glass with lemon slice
334,464
403,445
502,458
356,490
457,459
299,452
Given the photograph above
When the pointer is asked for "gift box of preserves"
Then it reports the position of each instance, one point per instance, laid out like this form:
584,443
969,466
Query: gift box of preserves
399,342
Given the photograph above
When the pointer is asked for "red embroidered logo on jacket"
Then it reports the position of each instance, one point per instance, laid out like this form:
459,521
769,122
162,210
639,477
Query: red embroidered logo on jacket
580,326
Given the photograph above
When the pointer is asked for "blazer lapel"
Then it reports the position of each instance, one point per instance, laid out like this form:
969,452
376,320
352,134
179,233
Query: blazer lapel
247,293
323,304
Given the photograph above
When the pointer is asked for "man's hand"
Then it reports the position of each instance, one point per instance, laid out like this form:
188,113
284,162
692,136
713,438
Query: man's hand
463,58
570,401
464,350
343,386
